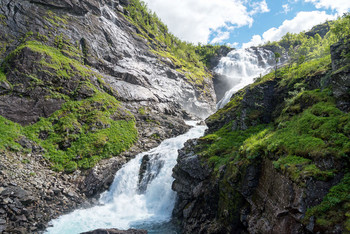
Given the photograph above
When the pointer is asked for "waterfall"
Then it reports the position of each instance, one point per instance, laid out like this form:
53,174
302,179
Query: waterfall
241,67
140,196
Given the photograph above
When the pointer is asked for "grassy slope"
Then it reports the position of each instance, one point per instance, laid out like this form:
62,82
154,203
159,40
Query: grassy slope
81,132
308,128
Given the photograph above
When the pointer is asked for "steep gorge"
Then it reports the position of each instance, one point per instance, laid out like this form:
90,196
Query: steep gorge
82,81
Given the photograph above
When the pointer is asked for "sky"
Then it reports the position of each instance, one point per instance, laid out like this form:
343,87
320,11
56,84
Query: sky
243,23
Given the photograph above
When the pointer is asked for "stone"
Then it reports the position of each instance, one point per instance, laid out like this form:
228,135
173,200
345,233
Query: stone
116,231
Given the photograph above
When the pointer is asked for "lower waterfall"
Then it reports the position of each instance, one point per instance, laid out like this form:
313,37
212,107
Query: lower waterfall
137,198
241,67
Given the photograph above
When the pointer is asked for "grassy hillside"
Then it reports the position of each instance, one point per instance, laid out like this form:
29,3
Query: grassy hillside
89,126
305,127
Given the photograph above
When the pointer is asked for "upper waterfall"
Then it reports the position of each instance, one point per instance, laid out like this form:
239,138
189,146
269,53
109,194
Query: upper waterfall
241,67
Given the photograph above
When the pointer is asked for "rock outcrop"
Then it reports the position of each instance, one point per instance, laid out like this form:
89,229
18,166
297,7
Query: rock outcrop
229,182
87,52
31,194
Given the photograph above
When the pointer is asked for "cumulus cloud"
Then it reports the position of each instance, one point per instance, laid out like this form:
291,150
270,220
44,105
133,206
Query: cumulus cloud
341,6
301,22
194,20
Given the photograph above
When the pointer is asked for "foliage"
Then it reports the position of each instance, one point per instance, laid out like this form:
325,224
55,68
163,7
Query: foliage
222,146
10,133
206,52
341,27
334,208
2,76
188,58
2,19
64,66
299,169
83,132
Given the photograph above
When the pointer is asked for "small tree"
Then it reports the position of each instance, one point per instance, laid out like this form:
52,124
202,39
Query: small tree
277,58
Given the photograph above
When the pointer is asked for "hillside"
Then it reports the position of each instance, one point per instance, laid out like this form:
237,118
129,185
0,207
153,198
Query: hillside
275,159
81,82
87,85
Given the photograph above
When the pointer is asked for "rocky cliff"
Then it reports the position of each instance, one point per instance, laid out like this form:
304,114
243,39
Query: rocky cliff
80,81
275,159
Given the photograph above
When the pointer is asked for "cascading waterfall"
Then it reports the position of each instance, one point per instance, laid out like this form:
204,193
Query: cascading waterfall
242,67
137,198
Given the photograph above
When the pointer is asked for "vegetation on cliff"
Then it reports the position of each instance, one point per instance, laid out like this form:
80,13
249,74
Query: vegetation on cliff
189,59
300,130
90,125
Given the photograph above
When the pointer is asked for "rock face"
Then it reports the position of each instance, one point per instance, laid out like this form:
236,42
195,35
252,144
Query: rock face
252,193
108,43
341,77
31,194
52,52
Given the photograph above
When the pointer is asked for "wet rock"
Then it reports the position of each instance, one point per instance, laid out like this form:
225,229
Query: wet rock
340,79
150,168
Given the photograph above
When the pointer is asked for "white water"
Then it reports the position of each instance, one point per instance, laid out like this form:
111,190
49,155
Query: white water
242,67
123,206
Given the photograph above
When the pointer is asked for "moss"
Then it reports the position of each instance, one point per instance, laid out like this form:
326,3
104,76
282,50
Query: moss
56,20
10,133
223,146
84,132
186,57
2,76
229,108
299,168
3,20
229,204
334,209
142,111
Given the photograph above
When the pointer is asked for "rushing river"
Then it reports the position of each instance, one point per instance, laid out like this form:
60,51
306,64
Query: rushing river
147,203
131,202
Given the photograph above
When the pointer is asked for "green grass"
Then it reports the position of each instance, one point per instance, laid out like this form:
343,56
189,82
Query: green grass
84,132
299,168
63,66
56,20
2,19
2,76
335,207
187,58
9,133
223,146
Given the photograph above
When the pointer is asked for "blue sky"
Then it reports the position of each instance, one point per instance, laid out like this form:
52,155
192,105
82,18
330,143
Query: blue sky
242,23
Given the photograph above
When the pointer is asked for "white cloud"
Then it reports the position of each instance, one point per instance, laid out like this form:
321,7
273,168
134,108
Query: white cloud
301,22
259,7
194,20
220,37
233,45
341,6
286,8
